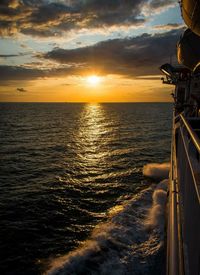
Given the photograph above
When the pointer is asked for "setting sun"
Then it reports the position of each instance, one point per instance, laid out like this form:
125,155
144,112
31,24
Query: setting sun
93,80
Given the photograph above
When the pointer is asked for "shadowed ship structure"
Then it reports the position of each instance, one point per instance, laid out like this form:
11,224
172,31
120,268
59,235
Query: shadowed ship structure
183,233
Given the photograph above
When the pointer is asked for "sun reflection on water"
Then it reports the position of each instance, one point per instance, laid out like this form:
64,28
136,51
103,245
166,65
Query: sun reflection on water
92,128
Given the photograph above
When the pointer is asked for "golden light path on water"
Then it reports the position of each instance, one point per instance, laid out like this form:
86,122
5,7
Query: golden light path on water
92,127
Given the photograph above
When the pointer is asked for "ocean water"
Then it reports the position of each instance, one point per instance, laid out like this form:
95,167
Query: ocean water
73,198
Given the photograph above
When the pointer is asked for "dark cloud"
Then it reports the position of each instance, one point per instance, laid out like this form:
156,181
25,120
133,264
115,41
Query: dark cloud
49,13
41,32
13,55
7,28
140,55
130,57
13,73
46,18
150,77
22,90
8,55
157,4
19,73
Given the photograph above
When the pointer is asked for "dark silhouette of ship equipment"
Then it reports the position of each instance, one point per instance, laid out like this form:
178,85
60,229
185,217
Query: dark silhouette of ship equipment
188,50
183,233
190,10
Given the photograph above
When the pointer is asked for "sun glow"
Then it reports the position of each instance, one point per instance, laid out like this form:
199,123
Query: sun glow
93,80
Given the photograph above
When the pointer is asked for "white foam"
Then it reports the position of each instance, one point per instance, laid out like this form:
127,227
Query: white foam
130,241
156,216
122,245
157,171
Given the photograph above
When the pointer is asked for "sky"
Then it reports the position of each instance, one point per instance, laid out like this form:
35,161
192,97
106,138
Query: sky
87,50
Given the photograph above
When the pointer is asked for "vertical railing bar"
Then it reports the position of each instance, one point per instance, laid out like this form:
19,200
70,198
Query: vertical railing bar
192,134
175,264
179,225
191,168
190,197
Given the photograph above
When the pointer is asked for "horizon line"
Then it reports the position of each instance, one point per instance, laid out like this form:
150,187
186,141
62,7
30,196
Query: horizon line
86,102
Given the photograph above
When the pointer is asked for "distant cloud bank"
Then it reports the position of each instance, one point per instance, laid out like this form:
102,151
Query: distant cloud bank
129,57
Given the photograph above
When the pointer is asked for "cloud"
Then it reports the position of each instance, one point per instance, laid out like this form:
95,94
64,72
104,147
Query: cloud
158,4
153,7
19,73
22,90
170,26
141,55
10,3
7,28
8,55
47,18
14,55
13,73
149,77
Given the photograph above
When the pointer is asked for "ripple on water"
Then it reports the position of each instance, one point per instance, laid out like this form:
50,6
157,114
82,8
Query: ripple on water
63,166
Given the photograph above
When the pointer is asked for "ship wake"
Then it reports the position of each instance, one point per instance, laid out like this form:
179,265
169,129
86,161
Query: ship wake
132,239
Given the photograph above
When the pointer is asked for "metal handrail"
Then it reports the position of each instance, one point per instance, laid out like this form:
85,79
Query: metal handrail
175,262
177,259
191,167
191,132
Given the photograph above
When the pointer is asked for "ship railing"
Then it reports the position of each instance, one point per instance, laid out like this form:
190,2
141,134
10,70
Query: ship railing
184,225
192,148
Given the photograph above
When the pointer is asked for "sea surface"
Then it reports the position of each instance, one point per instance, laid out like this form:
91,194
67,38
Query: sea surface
71,184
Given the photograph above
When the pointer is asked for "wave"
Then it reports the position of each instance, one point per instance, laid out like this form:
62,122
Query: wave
156,216
130,242
157,171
